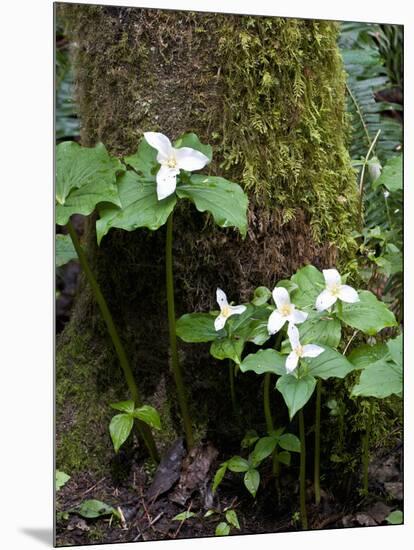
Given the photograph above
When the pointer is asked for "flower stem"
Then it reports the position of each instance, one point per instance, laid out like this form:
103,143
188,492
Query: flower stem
266,402
316,475
143,428
178,377
302,474
365,450
232,388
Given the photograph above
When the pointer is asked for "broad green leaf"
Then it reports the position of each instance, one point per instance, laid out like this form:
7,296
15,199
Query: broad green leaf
251,481
183,516
289,442
368,315
261,295
288,284
120,427
94,509
139,207
284,457
310,283
251,325
296,391
366,355
264,448
144,161
222,529
225,200
238,464
395,518
149,415
329,364
380,379
218,477
392,175
232,518
197,327
395,348
321,329
124,406
61,479
65,251
267,360
85,176
192,140
249,438
227,348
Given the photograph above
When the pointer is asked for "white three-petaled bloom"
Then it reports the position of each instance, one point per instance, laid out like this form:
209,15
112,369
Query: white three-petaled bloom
225,310
285,311
172,161
298,351
334,290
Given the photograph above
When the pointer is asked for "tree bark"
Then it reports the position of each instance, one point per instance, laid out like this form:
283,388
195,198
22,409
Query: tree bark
268,94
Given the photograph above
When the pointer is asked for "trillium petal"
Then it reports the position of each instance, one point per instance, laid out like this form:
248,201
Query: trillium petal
237,309
219,322
293,334
159,142
297,317
190,159
312,350
166,182
324,300
332,277
280,296
221,298
291,361
348,294
275,322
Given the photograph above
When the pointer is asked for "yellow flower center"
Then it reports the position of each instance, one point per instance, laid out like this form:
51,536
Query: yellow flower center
335,289
286,310
171,162
299,351
226,311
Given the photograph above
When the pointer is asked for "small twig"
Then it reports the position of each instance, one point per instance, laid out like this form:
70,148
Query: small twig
361,179
182,521
122,518
92,488
349,343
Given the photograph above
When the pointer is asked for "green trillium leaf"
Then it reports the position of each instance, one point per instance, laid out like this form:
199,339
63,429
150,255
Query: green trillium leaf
289,442
380,380
149,415
320,328
329,364
261,296
368,315
140,207
267,360
310,282
94,509
251,481
223,199
227,348
198,327
85,177
144,161
395,349
65,251
366,355
296,391
192,140
392,175
124,406
120,427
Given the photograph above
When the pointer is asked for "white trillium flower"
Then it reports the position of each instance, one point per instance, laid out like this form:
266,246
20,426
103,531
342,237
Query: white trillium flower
334,290
225,310
298,351
285,311
172,161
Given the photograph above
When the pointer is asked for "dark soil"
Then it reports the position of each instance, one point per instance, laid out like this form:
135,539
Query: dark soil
146,519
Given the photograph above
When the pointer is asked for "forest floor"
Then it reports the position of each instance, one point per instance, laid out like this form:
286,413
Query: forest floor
149,501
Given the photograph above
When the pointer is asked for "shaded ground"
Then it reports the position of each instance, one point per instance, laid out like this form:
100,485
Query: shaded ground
150,517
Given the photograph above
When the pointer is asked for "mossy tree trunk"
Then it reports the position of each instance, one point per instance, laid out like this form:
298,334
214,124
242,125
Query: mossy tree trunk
268,94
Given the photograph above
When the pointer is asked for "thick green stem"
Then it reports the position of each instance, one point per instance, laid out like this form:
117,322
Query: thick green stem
316,474
178,377
365,450
143,428
302,472
266,402
232,388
